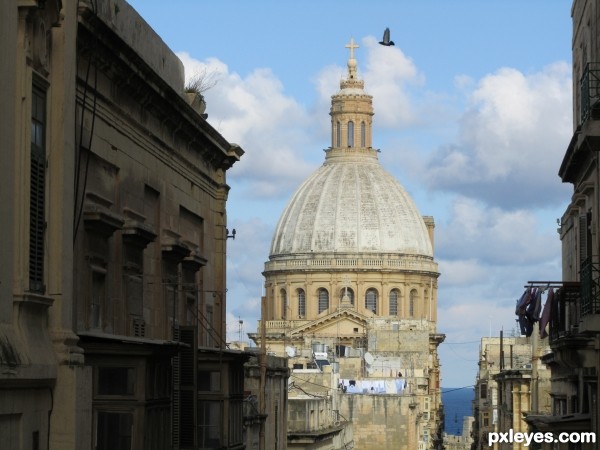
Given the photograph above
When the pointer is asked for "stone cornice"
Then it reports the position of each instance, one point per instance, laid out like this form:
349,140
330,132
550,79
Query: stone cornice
133,75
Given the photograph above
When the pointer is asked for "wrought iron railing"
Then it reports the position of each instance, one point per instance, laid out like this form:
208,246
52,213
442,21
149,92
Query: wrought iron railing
590,287
565,311
590,90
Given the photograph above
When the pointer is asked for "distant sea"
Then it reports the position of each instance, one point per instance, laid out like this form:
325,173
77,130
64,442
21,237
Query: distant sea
457,404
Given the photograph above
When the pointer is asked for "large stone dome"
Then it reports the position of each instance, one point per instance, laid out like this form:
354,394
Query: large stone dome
351,205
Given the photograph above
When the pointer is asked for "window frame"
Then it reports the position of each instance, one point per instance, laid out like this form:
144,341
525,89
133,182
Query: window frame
372,299
322,300
350,133
394,302
301,293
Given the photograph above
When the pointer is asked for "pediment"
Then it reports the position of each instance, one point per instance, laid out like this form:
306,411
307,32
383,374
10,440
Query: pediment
344,322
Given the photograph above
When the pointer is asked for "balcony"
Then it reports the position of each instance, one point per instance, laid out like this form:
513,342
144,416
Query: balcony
564,320
590,92
590,297
590,287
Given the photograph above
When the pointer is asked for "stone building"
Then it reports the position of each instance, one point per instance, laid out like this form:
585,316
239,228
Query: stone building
351,292
511,382
464,441
265,427
113,238
574,325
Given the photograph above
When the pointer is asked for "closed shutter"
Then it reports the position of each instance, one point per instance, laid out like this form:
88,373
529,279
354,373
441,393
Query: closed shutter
583,238
184,418
37,192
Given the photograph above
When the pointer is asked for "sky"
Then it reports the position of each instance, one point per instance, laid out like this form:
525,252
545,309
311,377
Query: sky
473,115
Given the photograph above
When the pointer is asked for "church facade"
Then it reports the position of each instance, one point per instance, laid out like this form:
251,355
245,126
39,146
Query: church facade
351,296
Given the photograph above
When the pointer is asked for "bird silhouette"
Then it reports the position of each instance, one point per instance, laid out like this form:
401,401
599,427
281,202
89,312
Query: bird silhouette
386,38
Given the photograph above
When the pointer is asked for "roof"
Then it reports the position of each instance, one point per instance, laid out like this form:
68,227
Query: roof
351,205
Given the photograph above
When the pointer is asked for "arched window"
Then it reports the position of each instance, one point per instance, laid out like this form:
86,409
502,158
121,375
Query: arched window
349,292
284,304
371,300
338,134
350,134
394,296
363,131
412,303
323,300
301,304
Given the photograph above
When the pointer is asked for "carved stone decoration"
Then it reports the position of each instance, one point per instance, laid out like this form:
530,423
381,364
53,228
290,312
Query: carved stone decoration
40,43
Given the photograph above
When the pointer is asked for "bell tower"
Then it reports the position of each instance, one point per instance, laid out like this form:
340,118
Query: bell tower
351,110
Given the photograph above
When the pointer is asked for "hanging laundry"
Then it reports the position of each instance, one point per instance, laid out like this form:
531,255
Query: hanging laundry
546,314
528,310
535,306
523,301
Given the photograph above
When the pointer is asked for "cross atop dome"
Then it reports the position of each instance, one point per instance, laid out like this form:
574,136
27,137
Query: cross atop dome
352,46
352,77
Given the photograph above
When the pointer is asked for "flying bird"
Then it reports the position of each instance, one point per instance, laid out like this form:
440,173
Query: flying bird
386,38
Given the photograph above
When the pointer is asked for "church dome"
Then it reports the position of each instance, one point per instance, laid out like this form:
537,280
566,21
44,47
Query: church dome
351,205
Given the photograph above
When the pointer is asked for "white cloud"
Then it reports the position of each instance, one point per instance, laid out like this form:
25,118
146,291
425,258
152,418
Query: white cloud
461,272
389,75
269,125
512,138
493,236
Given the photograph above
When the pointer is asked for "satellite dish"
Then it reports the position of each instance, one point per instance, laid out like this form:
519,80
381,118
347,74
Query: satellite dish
291,351
369,358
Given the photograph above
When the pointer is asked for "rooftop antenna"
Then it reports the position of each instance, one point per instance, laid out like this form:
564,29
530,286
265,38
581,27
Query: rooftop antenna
241,328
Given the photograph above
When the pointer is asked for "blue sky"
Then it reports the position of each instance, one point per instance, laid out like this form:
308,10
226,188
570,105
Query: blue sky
472,115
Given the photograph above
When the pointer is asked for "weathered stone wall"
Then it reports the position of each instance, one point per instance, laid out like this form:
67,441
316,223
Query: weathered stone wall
381,422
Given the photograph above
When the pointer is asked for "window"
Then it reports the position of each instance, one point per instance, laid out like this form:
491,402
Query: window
371,300
349,292
323,296
486,419
301,304
559,406
37,191
209,420
209,381
585,237
210,341
133,271
116,381
338,134
394,295
97,298
171,284
284,304
483,391
236,422
190,292
411,303
350,134
114,430
363,138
